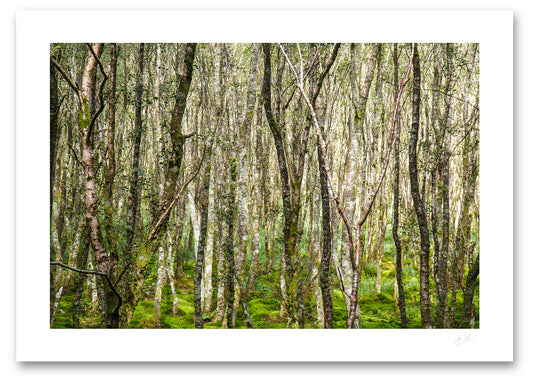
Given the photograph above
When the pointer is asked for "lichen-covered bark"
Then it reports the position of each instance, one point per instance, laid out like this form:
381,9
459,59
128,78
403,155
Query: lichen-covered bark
468,300
54,112
444,188
204,208
417,202
288,256
171,177
395,206
111,236
133,201
326,244
229,255
354,152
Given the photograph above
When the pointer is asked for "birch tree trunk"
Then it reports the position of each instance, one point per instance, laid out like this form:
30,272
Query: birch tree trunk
134,198
417,202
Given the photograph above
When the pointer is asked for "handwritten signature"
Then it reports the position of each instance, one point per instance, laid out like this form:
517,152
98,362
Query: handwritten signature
464,338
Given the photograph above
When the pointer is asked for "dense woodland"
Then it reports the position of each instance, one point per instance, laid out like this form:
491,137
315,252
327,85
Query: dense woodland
264,185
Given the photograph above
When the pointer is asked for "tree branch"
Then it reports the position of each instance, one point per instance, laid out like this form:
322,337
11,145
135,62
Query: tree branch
370,202
71,83
96,272
100,93
322,145
178,193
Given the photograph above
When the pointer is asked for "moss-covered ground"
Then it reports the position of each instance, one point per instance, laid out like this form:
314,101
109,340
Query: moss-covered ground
378,310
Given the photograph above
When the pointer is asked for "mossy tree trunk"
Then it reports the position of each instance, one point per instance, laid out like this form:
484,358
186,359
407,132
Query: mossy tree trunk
415,194
396,203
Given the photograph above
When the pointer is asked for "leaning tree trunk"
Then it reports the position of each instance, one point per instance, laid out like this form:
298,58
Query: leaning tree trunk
417,202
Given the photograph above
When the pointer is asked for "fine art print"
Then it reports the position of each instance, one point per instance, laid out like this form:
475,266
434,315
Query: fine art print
257,181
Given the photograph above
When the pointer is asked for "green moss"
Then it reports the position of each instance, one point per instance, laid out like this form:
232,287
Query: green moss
84,114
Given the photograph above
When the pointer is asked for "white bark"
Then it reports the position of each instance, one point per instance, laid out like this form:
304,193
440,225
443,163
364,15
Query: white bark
195,221
159,285
170,274
207,278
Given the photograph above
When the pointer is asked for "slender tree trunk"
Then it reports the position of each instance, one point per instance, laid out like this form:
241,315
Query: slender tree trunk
396,201
81,263
229,255
133,202
54,114
468,300
207,280
442,281
111,168
204,207
161,269
417,202
288,257
326,245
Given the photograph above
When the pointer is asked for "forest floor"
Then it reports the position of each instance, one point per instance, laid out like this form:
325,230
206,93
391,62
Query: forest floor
378,310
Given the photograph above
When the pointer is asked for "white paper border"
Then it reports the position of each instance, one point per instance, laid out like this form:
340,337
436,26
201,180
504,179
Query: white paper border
492,342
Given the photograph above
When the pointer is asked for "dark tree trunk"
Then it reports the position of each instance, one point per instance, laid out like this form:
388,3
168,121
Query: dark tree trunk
442,281
283,172
417,202
54,115
326,244
396,192
110,173
468,301
229,253
54,112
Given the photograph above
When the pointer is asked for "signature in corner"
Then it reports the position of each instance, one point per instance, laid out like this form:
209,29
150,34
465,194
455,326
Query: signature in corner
461,339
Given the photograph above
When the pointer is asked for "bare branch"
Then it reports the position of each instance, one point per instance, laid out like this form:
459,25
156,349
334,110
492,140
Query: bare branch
111,284
372,198
100,93
330,62
178,193
96,272
290,64
71,83
75,155
322,144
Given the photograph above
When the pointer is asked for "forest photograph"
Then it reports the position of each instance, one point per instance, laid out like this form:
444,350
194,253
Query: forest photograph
264,185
